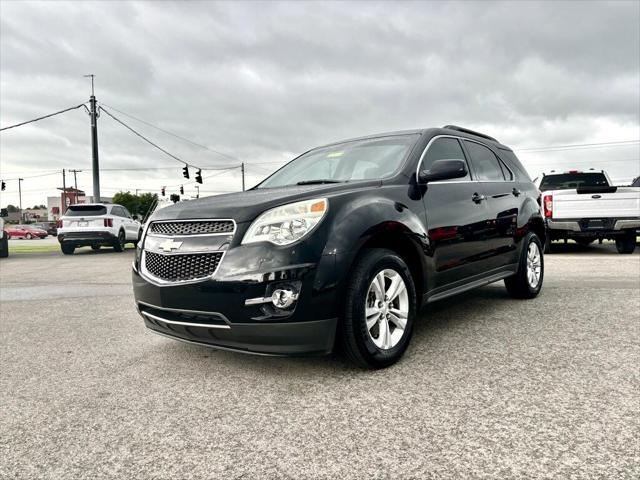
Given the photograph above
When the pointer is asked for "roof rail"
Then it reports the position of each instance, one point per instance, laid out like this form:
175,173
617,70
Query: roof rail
470,132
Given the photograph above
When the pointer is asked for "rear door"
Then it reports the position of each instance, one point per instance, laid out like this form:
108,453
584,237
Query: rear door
457,225
502,198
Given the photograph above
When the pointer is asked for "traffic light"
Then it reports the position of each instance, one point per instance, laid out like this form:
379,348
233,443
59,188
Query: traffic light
181,190
199,176
162,191
185,171
4,185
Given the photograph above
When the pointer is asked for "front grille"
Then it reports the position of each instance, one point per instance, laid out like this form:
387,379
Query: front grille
196,227
181,267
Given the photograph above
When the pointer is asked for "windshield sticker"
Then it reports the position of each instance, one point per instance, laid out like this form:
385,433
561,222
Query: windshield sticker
335,154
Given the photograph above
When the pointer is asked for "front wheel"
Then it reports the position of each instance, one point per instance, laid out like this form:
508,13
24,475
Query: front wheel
527,281
380,309
28,236
627,243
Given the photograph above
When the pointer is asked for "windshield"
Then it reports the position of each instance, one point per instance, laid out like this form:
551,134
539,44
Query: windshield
86,210
567,181
374,158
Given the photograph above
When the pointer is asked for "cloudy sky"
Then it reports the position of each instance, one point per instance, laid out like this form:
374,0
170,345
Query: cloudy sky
262,82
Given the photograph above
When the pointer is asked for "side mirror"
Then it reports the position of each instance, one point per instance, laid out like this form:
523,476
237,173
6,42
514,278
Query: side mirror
443,170
136,218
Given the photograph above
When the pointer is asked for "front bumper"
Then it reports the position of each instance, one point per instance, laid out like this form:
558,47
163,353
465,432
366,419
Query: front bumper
222,311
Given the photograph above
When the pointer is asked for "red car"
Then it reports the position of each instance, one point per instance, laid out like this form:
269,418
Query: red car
24,231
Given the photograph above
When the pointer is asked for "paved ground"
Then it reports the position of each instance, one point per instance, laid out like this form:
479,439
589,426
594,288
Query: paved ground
490,388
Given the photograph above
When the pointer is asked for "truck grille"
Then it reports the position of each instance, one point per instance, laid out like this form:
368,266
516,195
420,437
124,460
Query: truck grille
196,227
174,268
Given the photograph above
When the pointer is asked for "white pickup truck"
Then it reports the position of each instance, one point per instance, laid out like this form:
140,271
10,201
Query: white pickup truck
585,206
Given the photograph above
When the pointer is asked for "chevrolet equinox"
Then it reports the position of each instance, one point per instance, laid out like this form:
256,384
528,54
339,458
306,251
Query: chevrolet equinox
343,246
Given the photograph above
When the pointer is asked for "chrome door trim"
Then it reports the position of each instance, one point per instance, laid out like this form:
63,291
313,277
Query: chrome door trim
468,161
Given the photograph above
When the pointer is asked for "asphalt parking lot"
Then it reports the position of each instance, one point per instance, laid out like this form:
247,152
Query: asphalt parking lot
490,388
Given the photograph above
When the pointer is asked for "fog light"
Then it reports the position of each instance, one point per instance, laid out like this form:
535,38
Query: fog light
283,298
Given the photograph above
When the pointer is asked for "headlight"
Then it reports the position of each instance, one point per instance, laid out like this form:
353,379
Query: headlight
288,223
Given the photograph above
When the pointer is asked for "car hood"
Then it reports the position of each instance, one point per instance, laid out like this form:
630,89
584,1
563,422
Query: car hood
246,206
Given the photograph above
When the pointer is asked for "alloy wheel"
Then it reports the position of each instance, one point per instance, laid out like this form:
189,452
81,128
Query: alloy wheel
387,309
534,265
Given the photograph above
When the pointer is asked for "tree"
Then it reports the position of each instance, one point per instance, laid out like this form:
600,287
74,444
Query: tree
12,208
146,202
128,200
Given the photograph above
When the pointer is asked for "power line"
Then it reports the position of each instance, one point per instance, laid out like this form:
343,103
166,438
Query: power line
41,118
580,146
34,176
172,134
146,139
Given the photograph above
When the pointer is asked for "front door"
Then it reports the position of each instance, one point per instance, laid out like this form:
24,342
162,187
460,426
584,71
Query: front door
456,219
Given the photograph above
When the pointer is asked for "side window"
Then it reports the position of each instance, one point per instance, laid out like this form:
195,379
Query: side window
117,211
125,212
485,163
444,149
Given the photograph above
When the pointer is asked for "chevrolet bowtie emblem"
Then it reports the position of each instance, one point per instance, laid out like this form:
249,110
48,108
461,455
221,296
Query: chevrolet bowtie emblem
169,245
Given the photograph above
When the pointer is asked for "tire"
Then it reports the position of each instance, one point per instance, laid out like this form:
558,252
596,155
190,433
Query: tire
626,243
95,248
119,243
521,284
548,245
8,236
67,249
357,341
4,249
28,236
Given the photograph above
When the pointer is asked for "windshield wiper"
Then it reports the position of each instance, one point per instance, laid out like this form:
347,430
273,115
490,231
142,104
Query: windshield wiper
318,181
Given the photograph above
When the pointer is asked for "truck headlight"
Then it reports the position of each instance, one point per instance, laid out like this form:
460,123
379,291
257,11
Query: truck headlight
288,223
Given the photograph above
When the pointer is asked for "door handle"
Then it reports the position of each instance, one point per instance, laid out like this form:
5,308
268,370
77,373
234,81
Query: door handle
477,198
516,192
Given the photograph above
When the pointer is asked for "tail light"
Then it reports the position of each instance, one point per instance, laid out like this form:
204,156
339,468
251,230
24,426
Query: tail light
108,222
547,202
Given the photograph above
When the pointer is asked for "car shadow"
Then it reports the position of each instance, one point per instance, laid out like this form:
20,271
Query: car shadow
432,323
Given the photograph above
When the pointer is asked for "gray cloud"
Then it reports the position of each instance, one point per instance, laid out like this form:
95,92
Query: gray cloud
265,81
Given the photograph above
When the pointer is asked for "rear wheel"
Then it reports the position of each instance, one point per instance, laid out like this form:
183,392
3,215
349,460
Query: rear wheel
527,281
626,243
118,246
67,249
380,309
28,236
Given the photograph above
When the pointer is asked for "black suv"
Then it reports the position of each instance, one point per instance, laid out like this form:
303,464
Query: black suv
343,246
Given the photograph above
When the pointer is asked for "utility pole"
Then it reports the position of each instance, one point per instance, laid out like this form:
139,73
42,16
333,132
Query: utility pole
63,204
94,143
242,168
75,181
198,191
20,180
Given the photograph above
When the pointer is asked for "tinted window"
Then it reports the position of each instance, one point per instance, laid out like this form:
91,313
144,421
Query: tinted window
485,163
444,149
514,163
566,181
373,158
86,210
